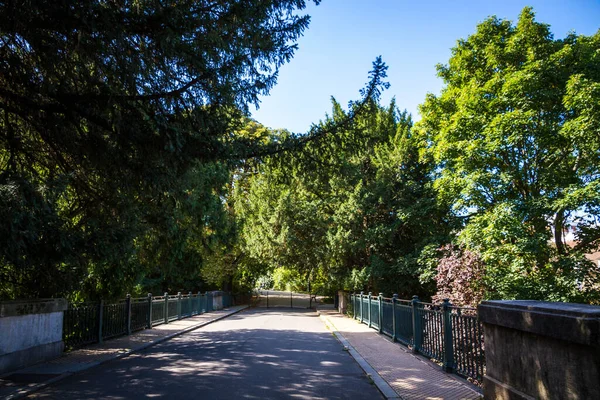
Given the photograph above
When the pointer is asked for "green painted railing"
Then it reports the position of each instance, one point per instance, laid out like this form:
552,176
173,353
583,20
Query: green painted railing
82,323
449,335
88,323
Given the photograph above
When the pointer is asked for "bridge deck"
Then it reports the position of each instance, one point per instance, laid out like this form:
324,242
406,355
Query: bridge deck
258,353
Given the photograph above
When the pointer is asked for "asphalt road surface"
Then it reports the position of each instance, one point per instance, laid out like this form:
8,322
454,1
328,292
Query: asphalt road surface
256,354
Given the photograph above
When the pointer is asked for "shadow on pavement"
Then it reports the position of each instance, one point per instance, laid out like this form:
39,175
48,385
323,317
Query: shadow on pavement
256,354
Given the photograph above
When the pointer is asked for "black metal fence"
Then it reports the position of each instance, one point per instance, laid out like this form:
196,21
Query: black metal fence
88,323
452,336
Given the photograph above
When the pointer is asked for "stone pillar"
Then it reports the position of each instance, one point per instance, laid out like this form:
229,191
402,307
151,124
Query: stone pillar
30,332
217,300
541,350
342,301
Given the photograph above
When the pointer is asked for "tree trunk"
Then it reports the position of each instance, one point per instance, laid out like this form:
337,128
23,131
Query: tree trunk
559,221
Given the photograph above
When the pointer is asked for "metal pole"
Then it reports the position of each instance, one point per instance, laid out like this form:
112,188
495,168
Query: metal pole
369,305
448,347
128,313
380,312
149,325
291,303
166,310
178,305
394,330
267,299
417,332
361,307
100,318
209,301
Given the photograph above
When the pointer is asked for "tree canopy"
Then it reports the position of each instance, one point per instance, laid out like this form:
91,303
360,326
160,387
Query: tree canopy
105,105
119,127
518,155
359,213
129,163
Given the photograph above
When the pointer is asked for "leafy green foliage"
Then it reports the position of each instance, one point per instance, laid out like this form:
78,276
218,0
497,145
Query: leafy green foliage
514,136
354,211
128,163
104,109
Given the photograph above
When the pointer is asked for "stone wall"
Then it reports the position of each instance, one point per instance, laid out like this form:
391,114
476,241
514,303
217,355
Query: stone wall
541,350
30,332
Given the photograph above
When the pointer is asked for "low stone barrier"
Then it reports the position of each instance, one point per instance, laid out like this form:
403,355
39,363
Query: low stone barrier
30,332
342,305
541,350
217,297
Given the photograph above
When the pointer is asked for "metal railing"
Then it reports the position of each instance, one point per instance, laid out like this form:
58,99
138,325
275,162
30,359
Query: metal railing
88,323
452,336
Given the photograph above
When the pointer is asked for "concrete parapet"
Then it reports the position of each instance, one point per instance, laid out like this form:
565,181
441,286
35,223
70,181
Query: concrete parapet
342,301
217,297
30,332
541,350
37,306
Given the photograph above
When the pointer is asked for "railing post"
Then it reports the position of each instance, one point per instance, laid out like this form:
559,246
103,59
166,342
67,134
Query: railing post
369,307
417,331
128,313
208,302
199,297
267,299
448,365
166,310
178,305
190,303
149,325
100,318
394,333
362,313
380,312
291,302
353,305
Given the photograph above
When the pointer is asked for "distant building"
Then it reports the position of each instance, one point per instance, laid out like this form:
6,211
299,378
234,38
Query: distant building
569,241
594,257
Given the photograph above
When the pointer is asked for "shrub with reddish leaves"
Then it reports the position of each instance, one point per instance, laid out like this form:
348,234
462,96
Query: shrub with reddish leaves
460,275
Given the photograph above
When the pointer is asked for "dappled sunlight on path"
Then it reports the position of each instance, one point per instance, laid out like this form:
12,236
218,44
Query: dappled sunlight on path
411,376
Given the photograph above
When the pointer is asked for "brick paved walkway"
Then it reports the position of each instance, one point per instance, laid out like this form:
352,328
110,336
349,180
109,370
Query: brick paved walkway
411,376
88,357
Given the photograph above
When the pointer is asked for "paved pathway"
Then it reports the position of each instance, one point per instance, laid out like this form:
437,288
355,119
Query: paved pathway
94,355
411,376
255,354
277,298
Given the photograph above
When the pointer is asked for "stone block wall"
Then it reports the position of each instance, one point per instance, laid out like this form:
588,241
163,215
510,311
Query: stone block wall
541,350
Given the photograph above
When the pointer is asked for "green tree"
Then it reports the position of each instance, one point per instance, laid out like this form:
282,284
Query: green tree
356,211
103,107
514,135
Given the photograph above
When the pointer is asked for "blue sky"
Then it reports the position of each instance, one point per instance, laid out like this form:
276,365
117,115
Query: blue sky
345,36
